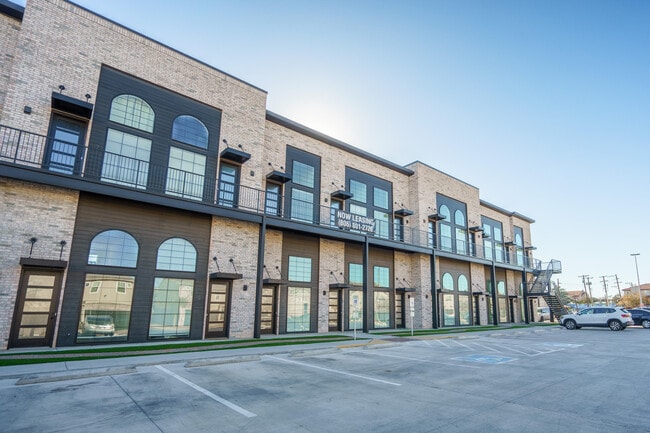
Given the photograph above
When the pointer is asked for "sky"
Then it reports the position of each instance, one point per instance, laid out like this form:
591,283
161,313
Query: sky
542,105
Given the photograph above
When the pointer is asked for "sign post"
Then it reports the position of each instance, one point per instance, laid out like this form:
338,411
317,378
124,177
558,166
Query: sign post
355,314
412,312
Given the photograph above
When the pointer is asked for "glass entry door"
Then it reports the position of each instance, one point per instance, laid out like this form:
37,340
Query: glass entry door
335,310
218,310
65,145
36,307
268,317
399,310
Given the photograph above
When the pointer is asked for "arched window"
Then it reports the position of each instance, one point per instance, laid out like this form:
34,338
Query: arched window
444,211
132,111
463,286
176,254
190,130
113,248
459,218
447,282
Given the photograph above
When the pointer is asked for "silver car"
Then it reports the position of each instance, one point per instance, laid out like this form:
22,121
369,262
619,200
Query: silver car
616,318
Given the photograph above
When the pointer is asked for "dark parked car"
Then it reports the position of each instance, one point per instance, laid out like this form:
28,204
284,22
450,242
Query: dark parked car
641,316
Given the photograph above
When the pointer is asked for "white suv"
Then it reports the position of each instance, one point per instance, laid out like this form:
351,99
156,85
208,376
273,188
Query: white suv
617,318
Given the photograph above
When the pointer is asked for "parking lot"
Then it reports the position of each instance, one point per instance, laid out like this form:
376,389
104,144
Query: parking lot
534,380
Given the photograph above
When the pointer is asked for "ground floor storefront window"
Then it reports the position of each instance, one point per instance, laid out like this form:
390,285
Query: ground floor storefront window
382,309
105,308
171,310
298,309
356,309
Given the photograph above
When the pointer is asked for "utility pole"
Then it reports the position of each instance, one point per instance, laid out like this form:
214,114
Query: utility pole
605,286
584,284
618,286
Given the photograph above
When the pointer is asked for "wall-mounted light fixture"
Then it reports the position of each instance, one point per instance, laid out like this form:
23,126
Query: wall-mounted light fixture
61,88
33,241
62,243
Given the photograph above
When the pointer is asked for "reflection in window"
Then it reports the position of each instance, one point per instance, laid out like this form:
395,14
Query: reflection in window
519,244
126,159
303,174
358,190
176,254
381,276
501,288
444,212
398,229
113,248
300,269
447,282
356,274
298,314
381,310
132,111
431,234
357,210
459,218
449,310
380,198
302,205
171,310
356,309
463,286
105,308
381,224
190,130
185,174
463,310
503,310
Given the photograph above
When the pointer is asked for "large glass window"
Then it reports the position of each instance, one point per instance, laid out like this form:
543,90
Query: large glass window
453,226
447,282
303,174
132,111
190,130
171,310
126,159
501,288
298,309
381,309
463,310
176,254
185,174
461,232
380,198
356,309
381,276
356,274
300,269
503,310
105,308
113,248
449,310
302,205
431,234
398,229
463,285
381,224
493,246
519,245
358,190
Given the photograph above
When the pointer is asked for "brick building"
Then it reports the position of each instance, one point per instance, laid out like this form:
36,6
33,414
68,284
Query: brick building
147,195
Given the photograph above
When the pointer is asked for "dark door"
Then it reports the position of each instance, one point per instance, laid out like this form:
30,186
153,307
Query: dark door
268,319
36,307
399,311
477,314
228,178
335,311
218,309
65,147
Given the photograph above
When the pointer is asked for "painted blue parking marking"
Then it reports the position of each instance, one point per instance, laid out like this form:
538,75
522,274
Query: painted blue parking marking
485,359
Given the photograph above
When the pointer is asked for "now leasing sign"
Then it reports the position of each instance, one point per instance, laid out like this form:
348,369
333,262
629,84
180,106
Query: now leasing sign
351,221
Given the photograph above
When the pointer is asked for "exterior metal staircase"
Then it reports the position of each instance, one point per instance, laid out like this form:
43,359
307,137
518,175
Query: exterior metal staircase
540,287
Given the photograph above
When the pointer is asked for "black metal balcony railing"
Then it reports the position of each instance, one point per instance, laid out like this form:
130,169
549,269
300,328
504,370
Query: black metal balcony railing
43,153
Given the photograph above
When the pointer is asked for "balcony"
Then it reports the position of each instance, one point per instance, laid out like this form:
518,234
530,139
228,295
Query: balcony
42,154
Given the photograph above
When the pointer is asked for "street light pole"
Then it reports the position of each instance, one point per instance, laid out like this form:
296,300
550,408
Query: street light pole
638,280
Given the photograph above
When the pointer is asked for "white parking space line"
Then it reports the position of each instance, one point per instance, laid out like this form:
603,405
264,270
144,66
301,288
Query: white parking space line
423,360
334,371
510,349
461,344
487,347
215,397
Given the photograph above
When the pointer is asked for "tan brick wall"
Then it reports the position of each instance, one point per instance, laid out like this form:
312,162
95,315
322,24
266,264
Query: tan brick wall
332,259
30,210
9,32
84,42
333,163
237,240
